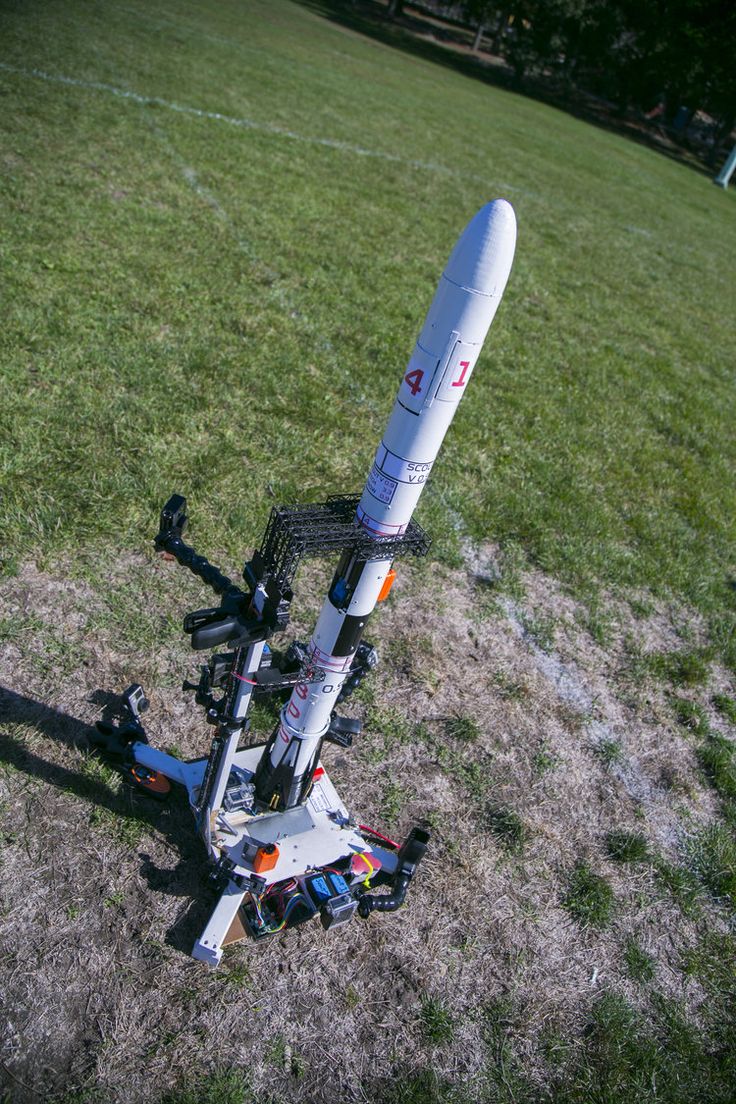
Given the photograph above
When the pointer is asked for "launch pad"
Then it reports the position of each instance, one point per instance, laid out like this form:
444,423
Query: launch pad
283,846
275,866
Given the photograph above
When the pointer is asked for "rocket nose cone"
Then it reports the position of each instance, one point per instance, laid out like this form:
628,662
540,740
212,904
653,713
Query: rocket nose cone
481,259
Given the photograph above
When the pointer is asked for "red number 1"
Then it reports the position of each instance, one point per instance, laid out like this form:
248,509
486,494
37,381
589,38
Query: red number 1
464,364
414,379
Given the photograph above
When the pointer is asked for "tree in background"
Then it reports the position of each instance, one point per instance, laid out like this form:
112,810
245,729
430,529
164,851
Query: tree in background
631,52
636,53
685,48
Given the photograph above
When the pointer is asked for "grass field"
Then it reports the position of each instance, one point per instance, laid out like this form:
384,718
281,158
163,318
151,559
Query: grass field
222,226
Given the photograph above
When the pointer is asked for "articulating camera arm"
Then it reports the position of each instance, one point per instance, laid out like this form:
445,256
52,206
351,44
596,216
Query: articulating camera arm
227,623
169,540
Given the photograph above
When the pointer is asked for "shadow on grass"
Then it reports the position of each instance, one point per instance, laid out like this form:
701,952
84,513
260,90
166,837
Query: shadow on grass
188,878
367,18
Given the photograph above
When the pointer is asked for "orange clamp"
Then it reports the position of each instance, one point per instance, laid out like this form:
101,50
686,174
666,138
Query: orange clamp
388,582
266,858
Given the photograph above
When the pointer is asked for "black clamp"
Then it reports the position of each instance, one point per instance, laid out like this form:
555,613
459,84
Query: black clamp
224,872
236,620
116,740
210,628
342,730
409,857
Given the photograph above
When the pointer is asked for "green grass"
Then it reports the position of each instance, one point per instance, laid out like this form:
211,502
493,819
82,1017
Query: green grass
544,760
507,826
462,728
639,965
223,1086
680,668
435,1021
263,716
507,1080
392,801
540,629
718,759
469,769
117,820
691,715
726,706
384,726
609,752
192,304
716,753
627,847
418,1087
680,883
508,688
712,852
599,623
713,962
589,897
623,1059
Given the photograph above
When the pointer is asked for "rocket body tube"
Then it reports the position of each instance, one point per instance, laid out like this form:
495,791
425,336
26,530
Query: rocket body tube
435,380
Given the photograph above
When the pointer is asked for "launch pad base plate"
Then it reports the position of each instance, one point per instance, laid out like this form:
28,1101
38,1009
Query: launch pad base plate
309,836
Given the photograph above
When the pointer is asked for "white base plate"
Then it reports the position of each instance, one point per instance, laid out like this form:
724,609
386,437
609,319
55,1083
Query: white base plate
308,837
311,835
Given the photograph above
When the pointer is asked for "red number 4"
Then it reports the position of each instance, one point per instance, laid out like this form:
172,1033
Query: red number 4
413,380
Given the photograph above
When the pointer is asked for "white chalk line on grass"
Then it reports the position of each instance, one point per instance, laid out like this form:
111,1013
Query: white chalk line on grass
569,683
264,128
208,197
276,291
284,299
231,120
249,124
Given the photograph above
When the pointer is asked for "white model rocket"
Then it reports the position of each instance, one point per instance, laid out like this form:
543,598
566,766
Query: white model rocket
435,380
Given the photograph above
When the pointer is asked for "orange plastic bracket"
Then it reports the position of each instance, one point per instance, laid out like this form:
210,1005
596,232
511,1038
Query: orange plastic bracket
388,582
266,858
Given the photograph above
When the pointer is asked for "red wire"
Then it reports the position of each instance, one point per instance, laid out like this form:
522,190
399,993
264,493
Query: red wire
282,887
373,832
251,682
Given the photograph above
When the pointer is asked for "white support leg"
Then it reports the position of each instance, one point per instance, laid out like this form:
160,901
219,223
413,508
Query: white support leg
156,760
208,947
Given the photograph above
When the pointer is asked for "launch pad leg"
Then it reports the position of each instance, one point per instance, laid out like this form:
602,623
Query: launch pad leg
208,947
